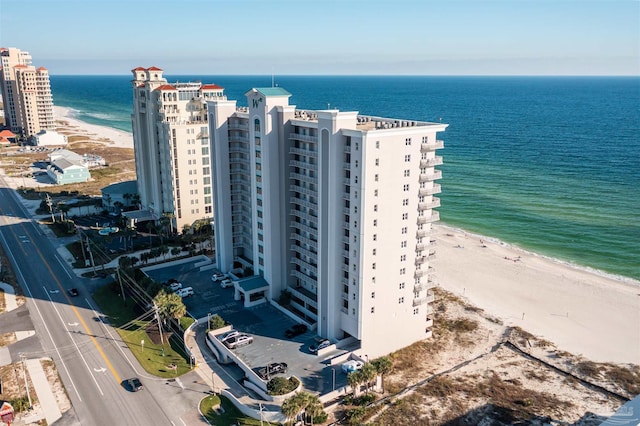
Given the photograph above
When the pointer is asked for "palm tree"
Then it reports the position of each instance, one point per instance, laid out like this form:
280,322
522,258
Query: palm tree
368,373
136,200
169,216
289,408
314,407
118,205
127,197
354,379
169,305
383,366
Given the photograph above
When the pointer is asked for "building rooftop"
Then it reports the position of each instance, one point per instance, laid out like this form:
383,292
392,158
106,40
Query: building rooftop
126,187
271,91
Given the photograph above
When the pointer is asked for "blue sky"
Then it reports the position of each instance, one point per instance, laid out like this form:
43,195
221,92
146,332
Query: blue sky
398,37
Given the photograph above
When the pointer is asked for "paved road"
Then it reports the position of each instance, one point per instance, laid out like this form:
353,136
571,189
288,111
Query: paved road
91,360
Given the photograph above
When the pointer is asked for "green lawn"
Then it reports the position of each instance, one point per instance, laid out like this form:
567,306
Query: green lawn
229,415
133,333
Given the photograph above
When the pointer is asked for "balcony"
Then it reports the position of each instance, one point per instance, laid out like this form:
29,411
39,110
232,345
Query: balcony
427,205
426,147
302,239
420,260
238,126
428,177
305,138
421,233
435,216
303,165
424,300
301,263
303,294
300,190
420,273
301,151
302,178
435,189
303,203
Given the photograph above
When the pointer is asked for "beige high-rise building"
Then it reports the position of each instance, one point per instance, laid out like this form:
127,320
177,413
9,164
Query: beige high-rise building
334,210
26,93
171,145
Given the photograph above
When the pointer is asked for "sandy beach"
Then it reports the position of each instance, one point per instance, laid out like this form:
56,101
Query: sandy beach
583,312
114,137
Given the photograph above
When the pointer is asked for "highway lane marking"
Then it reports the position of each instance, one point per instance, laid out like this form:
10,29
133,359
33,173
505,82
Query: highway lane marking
179,382
73,324
100,370
182,421
74,308
74,343
64,267
40,315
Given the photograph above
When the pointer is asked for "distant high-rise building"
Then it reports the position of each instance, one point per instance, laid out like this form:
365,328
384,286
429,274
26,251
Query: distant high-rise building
26,93
171,145
333,210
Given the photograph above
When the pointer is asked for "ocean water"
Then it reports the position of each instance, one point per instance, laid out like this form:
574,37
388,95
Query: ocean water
548,164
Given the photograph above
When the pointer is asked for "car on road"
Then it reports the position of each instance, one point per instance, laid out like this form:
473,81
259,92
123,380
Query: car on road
134,384
265,373
226,283
238,341
175,286
185,292
218,276
73,292
295,330
319,344
351,366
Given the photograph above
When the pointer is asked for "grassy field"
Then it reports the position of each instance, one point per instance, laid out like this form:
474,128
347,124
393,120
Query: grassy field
228,414
154,358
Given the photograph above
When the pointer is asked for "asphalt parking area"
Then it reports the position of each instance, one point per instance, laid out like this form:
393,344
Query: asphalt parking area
265,323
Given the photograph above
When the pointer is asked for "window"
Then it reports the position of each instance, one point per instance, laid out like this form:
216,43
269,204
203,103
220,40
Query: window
375,177
373,265
405,216
403,244
402,271
377,144
401,286
425,139
403,258
355,178
405,202
375,207
375,192
375,237
404,230
406,173
405,187
374,252
377,161
373,310
375,222
407,158
407,141
373,294
401,300
416,311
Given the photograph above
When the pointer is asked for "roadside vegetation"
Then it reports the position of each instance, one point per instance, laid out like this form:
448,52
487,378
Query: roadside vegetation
219,411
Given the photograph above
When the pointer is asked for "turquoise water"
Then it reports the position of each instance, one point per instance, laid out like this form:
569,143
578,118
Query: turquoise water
549,164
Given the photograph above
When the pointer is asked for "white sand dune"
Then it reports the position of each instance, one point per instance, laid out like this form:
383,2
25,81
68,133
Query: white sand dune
583,312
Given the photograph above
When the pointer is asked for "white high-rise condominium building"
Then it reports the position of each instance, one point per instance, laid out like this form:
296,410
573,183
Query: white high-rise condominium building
171,145
333,208
26,93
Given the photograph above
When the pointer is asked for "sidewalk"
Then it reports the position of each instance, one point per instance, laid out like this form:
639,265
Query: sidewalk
48,403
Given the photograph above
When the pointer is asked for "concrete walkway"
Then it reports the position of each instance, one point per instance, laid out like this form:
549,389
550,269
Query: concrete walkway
48,403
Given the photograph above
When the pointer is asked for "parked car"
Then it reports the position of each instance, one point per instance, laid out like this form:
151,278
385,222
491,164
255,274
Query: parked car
265,373
239,340
218,276
351,366
319,344
73,292
226,283
228,335
175,286
134,384
295,330
185,292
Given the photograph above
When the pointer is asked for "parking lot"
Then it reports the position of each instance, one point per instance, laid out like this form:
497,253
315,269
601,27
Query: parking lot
265,323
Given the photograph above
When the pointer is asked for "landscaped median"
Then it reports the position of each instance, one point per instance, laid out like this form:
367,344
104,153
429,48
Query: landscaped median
218,410
141,335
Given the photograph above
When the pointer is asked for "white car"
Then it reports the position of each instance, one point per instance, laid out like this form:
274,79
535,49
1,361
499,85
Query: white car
226,283
175,286
185,292
228,335
237,341
218,276
351,366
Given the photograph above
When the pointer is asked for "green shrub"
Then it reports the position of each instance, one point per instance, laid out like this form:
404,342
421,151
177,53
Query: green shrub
20,404
216,322
282,386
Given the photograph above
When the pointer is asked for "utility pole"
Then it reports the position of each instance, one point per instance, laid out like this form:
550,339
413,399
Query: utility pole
26,383
155,307
93,265
50,204
120,281
84,255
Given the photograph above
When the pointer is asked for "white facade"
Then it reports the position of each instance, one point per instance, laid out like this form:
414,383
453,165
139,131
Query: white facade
171,145
49,137
26,93
333,207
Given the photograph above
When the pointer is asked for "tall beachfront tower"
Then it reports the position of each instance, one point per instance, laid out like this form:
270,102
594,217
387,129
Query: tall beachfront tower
26,93
332,208
171,145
